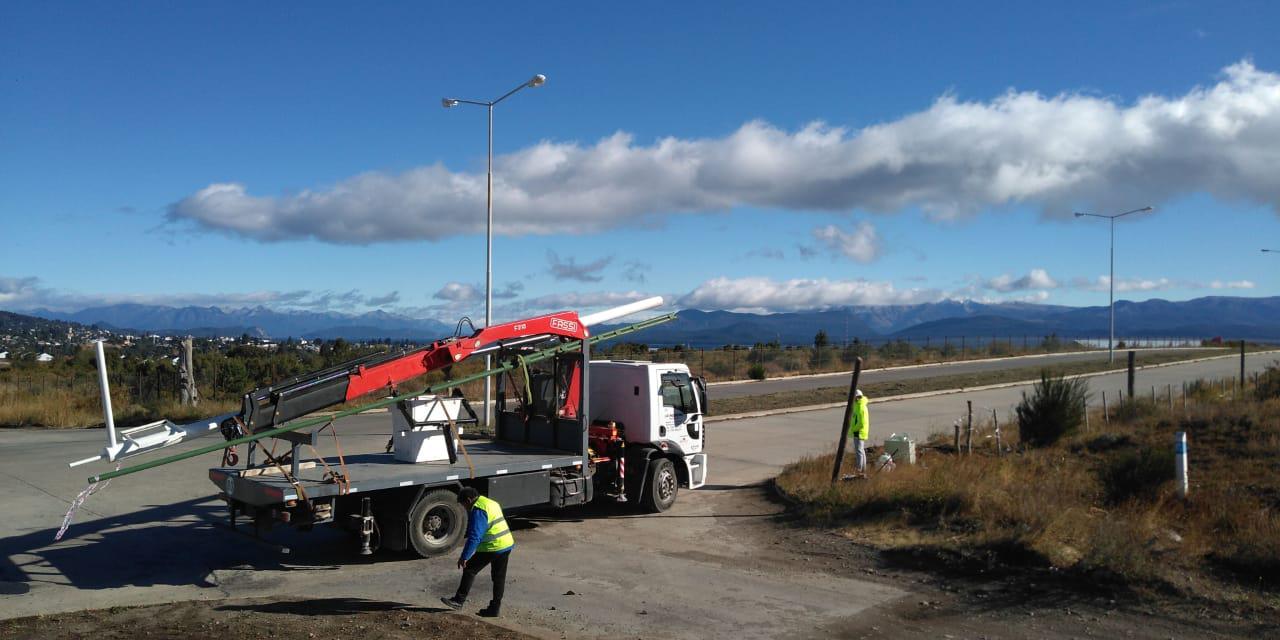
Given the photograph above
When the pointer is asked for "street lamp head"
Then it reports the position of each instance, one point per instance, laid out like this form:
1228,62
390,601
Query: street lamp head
537,81
449,102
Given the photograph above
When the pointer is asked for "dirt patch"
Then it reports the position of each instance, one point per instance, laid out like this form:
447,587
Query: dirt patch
259,618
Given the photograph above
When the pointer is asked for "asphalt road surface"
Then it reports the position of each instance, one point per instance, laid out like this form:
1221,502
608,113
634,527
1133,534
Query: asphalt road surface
699,570
917,372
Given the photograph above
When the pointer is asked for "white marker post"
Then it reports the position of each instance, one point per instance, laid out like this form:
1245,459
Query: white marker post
1180,461
105,388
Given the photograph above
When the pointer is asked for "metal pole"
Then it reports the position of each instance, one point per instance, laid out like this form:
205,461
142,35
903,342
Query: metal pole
1242,374
968,438
1111,342
105,389
1180,461
844,426
488,272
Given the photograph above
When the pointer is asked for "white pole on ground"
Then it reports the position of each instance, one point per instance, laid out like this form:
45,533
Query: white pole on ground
105,389
1180,461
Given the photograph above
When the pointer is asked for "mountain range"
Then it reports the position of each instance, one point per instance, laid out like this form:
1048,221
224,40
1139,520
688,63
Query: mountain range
1229,317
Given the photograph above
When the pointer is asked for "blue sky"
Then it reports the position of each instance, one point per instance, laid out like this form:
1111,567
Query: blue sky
750,156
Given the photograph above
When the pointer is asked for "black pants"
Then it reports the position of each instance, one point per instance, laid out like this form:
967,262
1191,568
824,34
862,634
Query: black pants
476,564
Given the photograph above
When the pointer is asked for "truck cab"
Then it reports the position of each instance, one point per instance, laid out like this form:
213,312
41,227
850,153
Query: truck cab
659,411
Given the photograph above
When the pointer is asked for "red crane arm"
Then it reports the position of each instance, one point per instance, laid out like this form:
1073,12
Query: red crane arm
443,353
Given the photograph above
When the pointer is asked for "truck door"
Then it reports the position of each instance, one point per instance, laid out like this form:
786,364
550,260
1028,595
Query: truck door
680,398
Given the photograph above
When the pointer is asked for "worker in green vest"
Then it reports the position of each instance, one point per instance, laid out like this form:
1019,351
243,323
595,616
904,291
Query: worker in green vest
859,430
489,543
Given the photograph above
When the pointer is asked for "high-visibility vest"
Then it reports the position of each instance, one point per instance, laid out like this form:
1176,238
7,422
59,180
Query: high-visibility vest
859,421
498,536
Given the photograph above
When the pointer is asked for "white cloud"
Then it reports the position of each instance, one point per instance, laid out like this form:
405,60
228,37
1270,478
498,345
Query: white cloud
30,293
860,245
768,295
954,158
1234,284
570,269
1035,279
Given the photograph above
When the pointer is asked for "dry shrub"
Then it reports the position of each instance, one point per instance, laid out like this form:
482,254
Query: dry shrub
1101,504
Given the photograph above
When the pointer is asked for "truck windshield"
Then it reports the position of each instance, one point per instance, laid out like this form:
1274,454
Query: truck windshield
677,392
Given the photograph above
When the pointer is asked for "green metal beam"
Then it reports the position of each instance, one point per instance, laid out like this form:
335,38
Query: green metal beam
536,356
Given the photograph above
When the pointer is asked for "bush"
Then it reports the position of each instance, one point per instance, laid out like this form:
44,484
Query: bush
756,372
1136,473
1269,382
1055,409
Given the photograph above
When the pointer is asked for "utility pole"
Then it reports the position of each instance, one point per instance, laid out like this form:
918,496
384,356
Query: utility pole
1111,348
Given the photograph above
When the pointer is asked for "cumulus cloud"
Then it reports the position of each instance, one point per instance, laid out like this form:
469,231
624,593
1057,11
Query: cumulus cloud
952,159
1035,279
570,269
860,245
768,295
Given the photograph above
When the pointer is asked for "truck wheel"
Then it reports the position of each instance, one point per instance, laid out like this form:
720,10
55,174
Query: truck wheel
436,523
662,487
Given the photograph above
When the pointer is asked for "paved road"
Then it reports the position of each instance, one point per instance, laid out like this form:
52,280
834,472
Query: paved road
696,571
755,388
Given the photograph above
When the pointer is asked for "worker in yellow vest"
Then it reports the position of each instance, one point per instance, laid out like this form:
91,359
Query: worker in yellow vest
859,431
489,543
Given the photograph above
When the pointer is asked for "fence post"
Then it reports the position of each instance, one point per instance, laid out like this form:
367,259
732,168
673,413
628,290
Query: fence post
1170,397
1133,357
968,438
1106,419
957,426
733,366
995,423
1086,415
844,426
1242,374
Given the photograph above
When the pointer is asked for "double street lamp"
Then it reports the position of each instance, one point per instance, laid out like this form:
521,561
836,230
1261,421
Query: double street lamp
1111,343
535,81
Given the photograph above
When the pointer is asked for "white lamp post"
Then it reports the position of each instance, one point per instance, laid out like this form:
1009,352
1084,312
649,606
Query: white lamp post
1111,343
535,81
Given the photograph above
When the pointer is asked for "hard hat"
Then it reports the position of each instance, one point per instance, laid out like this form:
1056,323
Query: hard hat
857,393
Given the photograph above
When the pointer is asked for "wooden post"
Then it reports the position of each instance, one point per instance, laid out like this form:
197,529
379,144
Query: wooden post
1133,356
1242,374
1086,415
1153,394
968,438
1171,398
844,426
1184,398
1106,418
995,423
733,367
957,426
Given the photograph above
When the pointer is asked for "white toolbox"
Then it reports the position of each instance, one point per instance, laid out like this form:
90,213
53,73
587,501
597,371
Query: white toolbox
423,440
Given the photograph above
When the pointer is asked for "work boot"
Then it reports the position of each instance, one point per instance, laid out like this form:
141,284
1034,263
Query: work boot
490,611
452,603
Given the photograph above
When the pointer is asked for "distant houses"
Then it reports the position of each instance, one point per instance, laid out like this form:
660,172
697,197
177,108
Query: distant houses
44,357
4,355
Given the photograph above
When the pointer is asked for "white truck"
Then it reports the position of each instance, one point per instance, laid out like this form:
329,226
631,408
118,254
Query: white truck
567,430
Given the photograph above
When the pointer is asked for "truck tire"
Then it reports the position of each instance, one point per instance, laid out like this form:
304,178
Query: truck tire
661,487
436,523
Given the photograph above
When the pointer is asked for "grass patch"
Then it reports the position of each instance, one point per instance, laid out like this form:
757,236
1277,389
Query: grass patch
1101,506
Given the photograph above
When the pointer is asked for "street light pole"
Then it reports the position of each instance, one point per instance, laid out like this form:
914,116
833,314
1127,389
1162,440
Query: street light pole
536,81
1111,280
